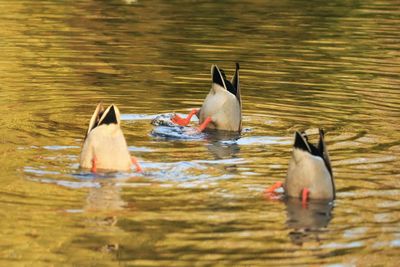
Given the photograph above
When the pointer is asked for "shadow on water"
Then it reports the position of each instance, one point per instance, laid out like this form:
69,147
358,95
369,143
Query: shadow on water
104,198
221,150
307,223
103,209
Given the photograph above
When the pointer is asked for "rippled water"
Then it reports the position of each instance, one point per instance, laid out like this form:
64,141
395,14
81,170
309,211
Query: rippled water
200,202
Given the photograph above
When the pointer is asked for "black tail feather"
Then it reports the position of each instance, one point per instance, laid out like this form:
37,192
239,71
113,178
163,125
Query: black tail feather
325,157
301,143
323,151
217,77
110,117
235,80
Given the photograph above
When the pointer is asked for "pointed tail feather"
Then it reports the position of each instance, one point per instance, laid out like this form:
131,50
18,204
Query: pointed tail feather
301,143
111,115
217,76
325,156
94,120
236,84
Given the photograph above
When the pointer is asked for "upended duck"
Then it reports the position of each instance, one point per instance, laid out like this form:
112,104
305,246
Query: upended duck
222,108
105,147
310,174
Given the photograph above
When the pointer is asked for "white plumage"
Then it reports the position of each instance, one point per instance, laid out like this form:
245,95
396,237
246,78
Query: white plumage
310,168
105,143
223,102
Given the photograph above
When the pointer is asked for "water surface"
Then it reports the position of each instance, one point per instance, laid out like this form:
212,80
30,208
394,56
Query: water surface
200,201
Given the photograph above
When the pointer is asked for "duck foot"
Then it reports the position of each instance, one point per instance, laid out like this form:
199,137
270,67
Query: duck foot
204,124
304,197
275,186
94,168
137,165
184,121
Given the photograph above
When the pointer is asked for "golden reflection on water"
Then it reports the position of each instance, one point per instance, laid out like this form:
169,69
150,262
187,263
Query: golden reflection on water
303,65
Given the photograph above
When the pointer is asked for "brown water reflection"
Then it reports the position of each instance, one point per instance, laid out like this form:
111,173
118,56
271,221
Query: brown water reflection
303,64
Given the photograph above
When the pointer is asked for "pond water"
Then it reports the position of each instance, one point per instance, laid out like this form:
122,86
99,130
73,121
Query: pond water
304,64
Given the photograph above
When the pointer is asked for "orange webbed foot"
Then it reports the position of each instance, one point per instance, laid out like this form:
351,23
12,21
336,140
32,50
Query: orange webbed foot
94,168
137,165
270,193
183,121
304,197
204,124
272,188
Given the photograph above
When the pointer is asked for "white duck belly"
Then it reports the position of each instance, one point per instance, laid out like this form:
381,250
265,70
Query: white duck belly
308,171
107,146
224,110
